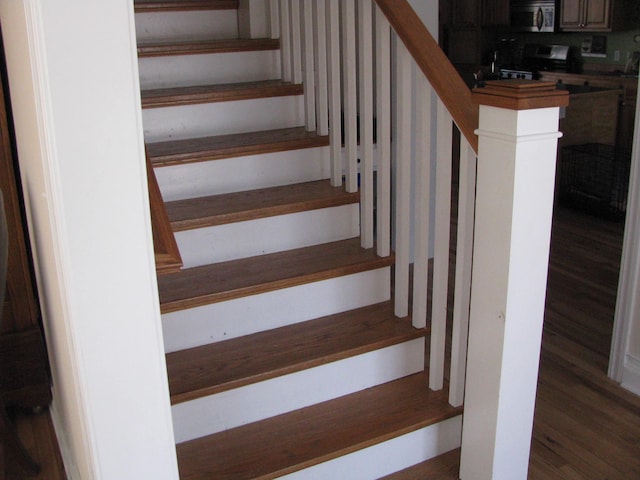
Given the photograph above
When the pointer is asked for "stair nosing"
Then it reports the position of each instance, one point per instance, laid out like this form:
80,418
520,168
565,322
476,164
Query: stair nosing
403,332
303,422
210,46
202,154
259,207
184,278
228,92
180,6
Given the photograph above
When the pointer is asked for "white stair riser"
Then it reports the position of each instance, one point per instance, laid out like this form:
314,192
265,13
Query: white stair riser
186,25
222,118
389,457
203,69
243,173
279,395
233,241
243,316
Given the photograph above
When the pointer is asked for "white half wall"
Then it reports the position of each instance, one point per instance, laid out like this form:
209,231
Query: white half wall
74,92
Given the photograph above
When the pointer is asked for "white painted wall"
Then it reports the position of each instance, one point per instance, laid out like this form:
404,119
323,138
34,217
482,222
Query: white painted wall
624,363
74,91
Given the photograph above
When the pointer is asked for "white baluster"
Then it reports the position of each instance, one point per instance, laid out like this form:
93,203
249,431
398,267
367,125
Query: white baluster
296,41
285,40
383,133
403,179
464,257
274,18
335,106
309,67
320,40
422,203
350,93
441,249
365,30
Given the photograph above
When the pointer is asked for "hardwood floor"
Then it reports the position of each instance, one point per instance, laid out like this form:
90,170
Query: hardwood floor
38,437
586,427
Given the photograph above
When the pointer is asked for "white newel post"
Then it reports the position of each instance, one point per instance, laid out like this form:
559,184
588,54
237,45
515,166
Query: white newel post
518,134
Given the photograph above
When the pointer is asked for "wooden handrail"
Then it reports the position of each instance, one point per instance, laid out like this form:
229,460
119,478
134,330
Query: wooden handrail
167,254
440,72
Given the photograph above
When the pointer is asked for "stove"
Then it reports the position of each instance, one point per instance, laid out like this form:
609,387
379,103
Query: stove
537,58
507,73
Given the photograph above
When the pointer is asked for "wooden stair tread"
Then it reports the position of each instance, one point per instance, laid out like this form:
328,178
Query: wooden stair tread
249,276
183,5
253,204
164,97
302,438
234,145
195,47
442,467
221,366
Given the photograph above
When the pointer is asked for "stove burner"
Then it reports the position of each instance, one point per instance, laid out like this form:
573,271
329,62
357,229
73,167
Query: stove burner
506,73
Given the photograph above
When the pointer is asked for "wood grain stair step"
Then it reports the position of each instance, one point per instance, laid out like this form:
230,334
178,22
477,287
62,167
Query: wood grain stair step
183,5
196,47
305,437
207,284
221,366
175,152
165,97
442,467
253,204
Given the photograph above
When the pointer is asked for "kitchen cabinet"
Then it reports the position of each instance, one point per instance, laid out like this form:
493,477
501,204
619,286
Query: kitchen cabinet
465,14
495,13
596,15
628,91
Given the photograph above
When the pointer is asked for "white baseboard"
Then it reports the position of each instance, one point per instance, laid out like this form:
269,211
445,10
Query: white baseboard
631,374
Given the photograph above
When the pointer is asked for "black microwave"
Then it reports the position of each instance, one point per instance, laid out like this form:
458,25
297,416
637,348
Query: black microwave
533,15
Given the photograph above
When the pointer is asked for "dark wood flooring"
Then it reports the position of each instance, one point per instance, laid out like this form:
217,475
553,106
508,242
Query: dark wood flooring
586,426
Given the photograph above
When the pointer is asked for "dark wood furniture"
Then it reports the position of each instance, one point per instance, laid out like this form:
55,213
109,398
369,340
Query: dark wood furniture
597,15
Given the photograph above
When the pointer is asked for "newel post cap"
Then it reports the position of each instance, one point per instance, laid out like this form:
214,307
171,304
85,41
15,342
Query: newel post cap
520,95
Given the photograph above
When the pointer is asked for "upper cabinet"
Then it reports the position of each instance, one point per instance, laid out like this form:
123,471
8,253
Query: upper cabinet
596,15
495,13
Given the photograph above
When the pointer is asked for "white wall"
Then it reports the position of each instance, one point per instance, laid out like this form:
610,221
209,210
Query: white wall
75,98
624,363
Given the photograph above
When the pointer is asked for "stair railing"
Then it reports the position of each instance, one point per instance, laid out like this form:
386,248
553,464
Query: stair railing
360,88
393,99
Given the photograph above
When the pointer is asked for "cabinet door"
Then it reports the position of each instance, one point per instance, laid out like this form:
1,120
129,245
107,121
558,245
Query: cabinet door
597,14
571,17
465,14
586,15
495,13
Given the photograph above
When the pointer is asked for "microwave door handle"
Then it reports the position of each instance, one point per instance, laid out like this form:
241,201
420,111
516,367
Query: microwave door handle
540,19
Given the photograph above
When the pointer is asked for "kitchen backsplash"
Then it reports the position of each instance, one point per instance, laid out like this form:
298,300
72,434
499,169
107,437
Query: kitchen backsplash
620,46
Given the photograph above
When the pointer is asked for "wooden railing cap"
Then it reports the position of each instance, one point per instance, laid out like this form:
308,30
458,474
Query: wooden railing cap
520,94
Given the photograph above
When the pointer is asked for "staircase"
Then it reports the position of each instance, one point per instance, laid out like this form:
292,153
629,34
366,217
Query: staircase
284,355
